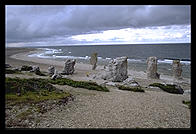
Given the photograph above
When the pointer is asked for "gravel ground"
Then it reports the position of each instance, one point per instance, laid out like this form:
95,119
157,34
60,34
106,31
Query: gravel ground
114,109
119,109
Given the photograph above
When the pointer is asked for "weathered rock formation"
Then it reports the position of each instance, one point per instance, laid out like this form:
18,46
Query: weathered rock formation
56,75
26,68
152,68
116,71
51,70
69,67
36,70
131,82
93,61
177,69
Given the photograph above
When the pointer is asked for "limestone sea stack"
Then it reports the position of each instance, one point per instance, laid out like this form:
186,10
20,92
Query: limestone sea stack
51,70
152,68
93,60
177,69
69,67
116,71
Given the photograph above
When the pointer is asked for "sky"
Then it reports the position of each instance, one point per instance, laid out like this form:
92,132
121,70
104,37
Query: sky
45,25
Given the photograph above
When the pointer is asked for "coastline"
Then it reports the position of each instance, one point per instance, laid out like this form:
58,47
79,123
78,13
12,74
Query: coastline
82,69
114,109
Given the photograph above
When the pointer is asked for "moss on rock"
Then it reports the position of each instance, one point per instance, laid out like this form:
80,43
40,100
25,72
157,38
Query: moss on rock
134,89
168,88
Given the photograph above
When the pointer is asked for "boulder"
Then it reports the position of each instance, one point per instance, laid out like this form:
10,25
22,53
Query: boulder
152,68
16,69
116,71
180,90
7,65
93,60
177,69
130,82
69,67
51,70
26,68
56,75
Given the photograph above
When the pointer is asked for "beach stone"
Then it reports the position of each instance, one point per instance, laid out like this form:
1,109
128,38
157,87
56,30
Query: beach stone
187,92
26,68
51,70
180,90
116,71
152,68
69,67
177,69
7,65
16,69
110,84
93,60
131,82
56,75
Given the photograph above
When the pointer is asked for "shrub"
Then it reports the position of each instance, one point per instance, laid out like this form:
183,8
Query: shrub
188,103
168,88
79,84
134,89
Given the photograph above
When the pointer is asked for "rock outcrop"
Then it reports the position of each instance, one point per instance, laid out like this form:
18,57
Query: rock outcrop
131,82
93,61
177,69
116,71
69,67
56,75
36,70
51,70
152,68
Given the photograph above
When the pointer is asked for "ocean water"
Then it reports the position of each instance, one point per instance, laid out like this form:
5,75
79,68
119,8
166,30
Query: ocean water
137,55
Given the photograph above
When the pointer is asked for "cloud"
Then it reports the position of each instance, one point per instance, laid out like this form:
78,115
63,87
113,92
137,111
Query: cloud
37,23
172,33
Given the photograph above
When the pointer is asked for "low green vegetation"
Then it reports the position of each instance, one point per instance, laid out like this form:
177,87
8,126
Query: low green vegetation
9,71
40,73
19,85
16,85
79,84
134,89
35,97
31,90
188,103
168,87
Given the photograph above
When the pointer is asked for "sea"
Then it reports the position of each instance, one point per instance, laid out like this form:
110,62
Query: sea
137,55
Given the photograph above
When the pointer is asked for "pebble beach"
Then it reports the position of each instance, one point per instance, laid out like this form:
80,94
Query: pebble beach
115,109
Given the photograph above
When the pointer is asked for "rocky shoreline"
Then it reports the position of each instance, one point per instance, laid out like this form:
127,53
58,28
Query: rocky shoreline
94,109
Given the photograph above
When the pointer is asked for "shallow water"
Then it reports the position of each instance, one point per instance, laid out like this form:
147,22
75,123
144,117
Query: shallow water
136,53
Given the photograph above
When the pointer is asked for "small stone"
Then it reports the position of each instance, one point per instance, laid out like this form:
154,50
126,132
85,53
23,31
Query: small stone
7,65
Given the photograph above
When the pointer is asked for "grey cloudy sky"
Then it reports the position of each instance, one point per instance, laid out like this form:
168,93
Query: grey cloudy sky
64,23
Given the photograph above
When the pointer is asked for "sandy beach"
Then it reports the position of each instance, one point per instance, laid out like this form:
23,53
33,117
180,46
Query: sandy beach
115,109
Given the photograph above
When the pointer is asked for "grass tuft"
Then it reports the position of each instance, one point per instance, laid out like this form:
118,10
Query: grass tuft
9,71
168,87
79,84
188,103
134,89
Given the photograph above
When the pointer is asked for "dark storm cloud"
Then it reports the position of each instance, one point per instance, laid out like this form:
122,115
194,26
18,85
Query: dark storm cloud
36,22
